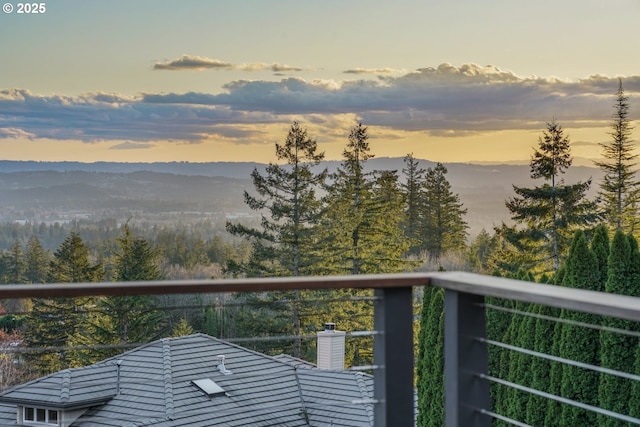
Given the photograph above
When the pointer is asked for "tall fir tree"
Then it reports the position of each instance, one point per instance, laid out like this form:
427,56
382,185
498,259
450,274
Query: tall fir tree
37,261
14,265
53,322
122,320
549,213
413,190
14,272
363,210
349,215
444,226
286,197
619,188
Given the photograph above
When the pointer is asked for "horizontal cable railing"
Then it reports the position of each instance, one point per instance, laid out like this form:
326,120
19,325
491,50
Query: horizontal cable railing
392,304
468,381
513,394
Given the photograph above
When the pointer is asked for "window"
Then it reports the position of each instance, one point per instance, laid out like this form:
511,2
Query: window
38,416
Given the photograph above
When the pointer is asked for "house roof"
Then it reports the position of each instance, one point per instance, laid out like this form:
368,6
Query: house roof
155,388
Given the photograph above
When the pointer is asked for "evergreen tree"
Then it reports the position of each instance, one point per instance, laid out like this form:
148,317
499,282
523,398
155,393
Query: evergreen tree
37,261
392,242
288,195
182,329
430,362
14,272
520,365
15,266
600,248
536,407
550,213
480,252
579,343
126,319
444,225
413,190
617,351
349,216
619,188
283,246
53,322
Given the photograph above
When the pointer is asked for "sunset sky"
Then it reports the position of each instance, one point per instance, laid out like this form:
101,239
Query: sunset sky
200,81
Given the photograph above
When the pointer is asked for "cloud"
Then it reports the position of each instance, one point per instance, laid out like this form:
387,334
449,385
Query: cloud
444,101
199,63
15,133
374,71
130,145
188,62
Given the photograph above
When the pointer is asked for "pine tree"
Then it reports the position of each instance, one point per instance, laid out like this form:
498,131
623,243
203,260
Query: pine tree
579,343
550,213
619,187
444,226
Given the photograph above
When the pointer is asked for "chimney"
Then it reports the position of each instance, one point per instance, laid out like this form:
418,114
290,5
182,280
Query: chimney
331,348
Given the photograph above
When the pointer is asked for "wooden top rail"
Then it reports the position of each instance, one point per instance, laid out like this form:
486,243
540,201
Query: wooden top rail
620,306
164,287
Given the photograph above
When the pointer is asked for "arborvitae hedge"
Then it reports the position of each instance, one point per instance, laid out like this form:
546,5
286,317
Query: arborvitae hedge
579,343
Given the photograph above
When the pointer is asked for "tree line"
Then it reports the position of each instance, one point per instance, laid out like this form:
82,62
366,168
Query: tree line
558,237
312,222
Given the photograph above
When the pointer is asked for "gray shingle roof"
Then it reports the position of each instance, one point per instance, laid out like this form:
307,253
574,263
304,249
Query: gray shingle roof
156,389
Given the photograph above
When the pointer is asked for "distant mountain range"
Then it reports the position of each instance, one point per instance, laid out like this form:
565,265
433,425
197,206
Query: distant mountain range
38,191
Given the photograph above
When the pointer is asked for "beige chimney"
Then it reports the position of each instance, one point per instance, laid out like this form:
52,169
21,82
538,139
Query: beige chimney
331,348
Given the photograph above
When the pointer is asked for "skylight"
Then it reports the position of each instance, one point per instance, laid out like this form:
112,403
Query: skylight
209,387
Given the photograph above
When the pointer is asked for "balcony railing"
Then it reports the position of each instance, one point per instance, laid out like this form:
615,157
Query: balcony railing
467,377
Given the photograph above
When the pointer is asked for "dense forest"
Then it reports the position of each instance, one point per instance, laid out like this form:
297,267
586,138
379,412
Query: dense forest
310,220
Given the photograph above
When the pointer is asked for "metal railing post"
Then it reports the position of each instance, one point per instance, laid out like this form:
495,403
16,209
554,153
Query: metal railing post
464,358
393,357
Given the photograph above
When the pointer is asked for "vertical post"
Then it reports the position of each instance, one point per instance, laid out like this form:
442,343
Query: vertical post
393,357
464,358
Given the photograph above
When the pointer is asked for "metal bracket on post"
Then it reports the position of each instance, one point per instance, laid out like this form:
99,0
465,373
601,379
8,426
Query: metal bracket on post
393,357
464,358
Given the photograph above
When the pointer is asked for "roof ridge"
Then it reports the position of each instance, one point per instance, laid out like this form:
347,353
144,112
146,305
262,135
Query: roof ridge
166,367
65,388
362,385
305,414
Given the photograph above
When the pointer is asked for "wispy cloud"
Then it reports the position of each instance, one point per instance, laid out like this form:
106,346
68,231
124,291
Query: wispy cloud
444,101
188,62
374,71
130,145
200,63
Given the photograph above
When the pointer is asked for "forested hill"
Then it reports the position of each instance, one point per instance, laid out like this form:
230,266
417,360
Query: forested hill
36,190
